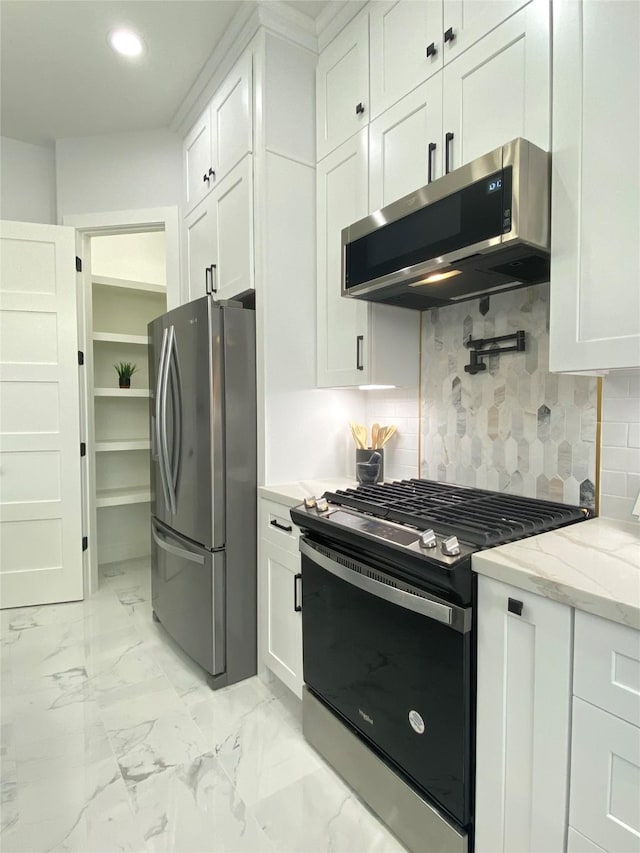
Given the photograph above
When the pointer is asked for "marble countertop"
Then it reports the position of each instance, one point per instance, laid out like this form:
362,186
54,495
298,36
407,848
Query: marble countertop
291,494
593,566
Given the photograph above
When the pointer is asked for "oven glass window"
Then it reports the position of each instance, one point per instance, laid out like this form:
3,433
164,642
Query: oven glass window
475,213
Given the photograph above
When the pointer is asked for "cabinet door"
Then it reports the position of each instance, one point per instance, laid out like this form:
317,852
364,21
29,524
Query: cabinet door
200,248
401,33
197,160
605,778
499,89
343,337
595,264
522,735
281,622
467,21
400,143
233,217
231,124
342,86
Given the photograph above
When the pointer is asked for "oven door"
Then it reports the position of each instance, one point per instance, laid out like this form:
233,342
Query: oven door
395,662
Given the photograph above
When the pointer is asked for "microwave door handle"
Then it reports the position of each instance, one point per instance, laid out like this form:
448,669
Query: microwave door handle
158,416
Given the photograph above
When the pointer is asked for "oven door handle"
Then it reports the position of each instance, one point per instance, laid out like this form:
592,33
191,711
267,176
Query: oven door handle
459,618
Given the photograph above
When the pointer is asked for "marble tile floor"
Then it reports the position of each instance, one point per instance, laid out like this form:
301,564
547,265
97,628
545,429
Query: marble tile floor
111,740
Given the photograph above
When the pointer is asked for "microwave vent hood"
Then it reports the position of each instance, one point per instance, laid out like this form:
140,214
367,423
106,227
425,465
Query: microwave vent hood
480,229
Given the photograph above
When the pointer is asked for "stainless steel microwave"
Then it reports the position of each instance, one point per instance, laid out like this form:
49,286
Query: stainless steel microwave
482,228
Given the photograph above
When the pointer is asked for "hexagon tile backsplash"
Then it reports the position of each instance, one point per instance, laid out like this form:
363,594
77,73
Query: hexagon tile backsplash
515,427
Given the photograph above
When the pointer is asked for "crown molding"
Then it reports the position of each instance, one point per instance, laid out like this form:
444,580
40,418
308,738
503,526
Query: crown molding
273,15
334,17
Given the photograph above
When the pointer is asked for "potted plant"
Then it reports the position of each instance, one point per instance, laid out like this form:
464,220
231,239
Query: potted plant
125,371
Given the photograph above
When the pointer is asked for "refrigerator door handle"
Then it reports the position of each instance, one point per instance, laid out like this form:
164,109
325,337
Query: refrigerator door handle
164,443
158,418
183,553
176,395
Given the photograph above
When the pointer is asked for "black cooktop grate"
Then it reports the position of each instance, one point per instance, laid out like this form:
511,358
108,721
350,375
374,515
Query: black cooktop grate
475,516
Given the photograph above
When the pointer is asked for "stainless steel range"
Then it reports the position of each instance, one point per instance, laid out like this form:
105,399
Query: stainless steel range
389,642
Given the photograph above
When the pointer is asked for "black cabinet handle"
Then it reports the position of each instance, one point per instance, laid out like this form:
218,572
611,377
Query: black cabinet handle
211,173
214,271
359,108
297,607
448,139
432,148
431,50
205,177
286,527
449,34
359,342
207,285
514,606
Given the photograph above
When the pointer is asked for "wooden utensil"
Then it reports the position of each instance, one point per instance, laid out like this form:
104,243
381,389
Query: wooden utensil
387,432
359,434
375,434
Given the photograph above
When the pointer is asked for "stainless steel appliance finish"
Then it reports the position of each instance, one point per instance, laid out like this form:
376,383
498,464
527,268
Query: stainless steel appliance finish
388,601
413,819
203,468
515,253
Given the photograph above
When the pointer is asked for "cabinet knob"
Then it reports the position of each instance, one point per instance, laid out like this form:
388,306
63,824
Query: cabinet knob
205,177
514,606
211,173
449,34
431,50
359,108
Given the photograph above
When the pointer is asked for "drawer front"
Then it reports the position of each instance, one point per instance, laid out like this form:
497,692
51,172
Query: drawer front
607,666
277,527
605,779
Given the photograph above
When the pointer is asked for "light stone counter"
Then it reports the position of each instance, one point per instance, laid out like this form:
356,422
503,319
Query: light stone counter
593,565
291,494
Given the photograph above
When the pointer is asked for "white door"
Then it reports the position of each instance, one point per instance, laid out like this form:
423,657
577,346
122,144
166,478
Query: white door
467,21
406,48
342,86
405,150
233,220
499,89
198,160
200,248
343,333
40,491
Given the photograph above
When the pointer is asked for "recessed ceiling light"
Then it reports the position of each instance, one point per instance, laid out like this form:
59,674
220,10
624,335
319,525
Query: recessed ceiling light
126,42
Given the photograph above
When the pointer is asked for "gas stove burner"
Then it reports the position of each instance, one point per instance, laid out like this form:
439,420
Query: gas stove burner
478,517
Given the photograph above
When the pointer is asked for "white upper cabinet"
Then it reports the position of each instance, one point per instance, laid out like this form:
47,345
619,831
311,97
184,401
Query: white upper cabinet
200,249
342,86
467,21
405,147
342,323
406,41
222,135
595,222
499,89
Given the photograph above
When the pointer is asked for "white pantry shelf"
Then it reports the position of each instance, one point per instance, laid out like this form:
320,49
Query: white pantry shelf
146,286
121,392
119,497
115,338
116,444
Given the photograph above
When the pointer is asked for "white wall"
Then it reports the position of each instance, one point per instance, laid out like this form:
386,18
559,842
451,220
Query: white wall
27,182
124,171
620,453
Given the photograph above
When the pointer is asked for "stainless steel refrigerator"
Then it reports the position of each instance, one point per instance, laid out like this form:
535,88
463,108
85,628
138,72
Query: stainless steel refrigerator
203,483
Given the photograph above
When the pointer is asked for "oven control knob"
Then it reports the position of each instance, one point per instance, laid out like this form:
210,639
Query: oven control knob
322,505
310,502
450,546
427,539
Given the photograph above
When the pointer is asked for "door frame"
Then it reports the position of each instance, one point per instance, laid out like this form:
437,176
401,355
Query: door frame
88,225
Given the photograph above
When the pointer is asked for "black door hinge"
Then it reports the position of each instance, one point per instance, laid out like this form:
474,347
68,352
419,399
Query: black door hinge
83,448
85,543
80,357
78,264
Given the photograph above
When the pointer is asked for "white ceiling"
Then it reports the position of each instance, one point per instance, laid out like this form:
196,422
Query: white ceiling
60,78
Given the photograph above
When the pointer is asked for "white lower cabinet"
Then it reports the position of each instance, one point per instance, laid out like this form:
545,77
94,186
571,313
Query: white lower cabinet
280,586
523,707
